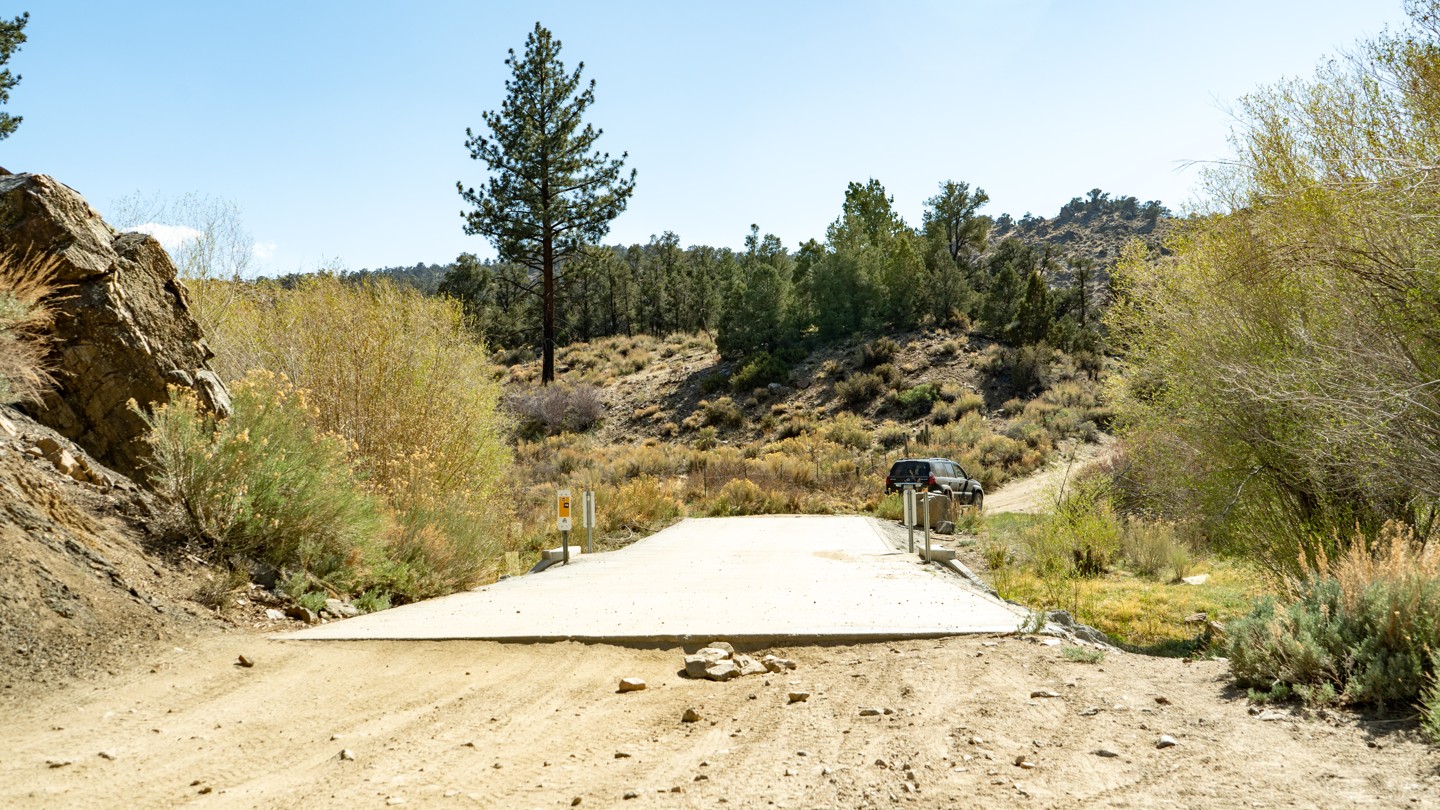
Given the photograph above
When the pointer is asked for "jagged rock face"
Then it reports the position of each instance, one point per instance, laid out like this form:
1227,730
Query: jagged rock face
123,329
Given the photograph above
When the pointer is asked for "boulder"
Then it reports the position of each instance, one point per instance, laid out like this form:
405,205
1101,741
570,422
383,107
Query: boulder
123,329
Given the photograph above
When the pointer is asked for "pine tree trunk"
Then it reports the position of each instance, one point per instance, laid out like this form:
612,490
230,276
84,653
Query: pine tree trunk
547,363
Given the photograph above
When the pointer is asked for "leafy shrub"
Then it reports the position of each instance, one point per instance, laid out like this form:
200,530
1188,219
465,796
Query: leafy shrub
705,439
891,435
1079,538
891,376
722,412
642,504
1430,702
919,399
847,430
554,409
1083,655
739,497
969,403
890,507
714,383
859,390
264,484
878,351
24,283
943,413
1151,549
1366,625
759,371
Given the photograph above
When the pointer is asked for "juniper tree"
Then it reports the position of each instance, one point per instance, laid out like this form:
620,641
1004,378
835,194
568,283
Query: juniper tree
550,192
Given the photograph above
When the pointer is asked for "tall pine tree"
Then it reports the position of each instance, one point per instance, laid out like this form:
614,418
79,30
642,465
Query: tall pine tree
550,192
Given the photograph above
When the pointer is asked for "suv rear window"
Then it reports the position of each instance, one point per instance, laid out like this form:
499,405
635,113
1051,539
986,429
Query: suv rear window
910,469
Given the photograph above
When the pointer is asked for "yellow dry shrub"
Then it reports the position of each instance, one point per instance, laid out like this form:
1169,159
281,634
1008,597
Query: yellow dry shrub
400,377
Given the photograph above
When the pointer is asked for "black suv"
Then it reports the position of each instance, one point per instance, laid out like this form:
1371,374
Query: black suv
936,475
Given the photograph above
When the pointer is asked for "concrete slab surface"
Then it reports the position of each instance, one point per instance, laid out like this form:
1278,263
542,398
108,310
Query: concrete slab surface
763,579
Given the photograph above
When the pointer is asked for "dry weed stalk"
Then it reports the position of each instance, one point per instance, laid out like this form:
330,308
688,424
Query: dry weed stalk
1397,555
27,280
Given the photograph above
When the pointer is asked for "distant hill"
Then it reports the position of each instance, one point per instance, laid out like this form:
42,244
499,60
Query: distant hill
1093,227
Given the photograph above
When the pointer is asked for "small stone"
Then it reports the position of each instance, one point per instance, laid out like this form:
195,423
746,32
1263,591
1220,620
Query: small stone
700,777
1161,700
1090,711
1271,716
304,614
722,671
107,755
242,661
394,801
871,712
347,755
575,802
881,763
1022,762
274,615
799,697
1105,752
59,763
631,684
690,716
1166,741
630,794
723,646
749,666
790,772
1044,693
774,664
622,754
1198,579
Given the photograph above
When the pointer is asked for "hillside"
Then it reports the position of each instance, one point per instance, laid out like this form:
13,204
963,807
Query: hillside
1094,227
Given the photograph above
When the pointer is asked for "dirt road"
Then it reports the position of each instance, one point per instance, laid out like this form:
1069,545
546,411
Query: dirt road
484,724
1036,492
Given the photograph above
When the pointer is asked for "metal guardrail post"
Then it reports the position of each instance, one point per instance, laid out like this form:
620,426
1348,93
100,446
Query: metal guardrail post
928,496
907,497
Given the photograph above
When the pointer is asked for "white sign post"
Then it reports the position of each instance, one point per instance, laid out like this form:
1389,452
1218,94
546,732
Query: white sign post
562,512
587,514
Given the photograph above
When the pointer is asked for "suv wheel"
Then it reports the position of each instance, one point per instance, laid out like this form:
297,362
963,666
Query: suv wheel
978,500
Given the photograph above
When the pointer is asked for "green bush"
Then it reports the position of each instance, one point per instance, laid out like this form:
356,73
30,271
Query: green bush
264,484
1367,626
759,371
1153,550
723,412
919,399
1079,539
881,350
1430,701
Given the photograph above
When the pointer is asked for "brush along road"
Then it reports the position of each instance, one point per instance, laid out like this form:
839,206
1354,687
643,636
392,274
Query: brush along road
767,579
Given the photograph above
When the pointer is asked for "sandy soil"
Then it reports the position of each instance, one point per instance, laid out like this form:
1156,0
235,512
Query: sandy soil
481,724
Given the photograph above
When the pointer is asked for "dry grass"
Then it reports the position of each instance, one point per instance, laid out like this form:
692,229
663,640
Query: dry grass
25,282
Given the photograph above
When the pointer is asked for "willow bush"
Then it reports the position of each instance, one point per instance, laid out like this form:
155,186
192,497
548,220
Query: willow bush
1285,352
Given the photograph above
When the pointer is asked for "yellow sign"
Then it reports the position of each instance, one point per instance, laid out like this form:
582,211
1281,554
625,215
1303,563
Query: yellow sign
562,509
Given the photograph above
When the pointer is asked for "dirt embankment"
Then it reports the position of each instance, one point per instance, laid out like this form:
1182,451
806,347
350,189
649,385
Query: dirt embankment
481,724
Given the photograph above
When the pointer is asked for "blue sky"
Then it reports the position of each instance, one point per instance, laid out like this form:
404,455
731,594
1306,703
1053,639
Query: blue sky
337,128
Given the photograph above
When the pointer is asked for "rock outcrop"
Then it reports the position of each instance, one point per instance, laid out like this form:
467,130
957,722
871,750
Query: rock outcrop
123,329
